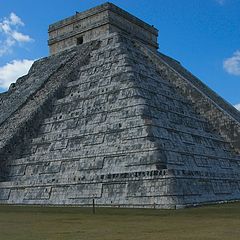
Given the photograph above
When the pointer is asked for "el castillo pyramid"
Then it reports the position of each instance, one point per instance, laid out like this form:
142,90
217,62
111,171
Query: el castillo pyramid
108,117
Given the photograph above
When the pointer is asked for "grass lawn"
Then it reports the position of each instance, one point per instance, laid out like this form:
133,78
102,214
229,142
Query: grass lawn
36,223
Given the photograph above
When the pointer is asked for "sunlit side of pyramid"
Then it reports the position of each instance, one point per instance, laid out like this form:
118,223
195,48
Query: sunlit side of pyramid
108,117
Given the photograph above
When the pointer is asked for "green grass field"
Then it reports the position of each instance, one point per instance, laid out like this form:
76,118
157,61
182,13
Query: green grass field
36,223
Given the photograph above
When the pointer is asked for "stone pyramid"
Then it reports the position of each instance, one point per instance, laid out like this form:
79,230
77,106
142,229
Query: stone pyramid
108,117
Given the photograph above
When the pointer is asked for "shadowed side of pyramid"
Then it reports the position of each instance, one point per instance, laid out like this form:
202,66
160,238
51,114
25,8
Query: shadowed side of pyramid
111,119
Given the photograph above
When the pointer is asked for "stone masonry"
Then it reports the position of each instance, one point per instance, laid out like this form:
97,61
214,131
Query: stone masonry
108,117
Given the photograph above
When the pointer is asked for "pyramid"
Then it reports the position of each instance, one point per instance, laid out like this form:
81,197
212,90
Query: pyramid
108,117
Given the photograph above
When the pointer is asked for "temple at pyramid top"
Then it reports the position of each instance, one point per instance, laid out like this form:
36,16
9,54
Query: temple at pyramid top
96,22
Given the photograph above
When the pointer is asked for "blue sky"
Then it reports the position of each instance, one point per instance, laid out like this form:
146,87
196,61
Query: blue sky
204,35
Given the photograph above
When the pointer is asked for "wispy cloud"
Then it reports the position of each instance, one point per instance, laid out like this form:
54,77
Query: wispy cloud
10,34
237,106
220,2
12,71
232,64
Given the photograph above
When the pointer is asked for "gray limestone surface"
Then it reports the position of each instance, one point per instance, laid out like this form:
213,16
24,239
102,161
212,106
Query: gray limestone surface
116,121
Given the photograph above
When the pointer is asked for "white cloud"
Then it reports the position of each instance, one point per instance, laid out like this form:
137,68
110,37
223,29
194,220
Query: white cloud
6,46
19,37
10,35
232,64
15,20
12,71
237,106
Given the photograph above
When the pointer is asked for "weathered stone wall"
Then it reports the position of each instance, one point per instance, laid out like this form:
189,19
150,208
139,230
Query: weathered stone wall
26,104
223,117
87,137
122,133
